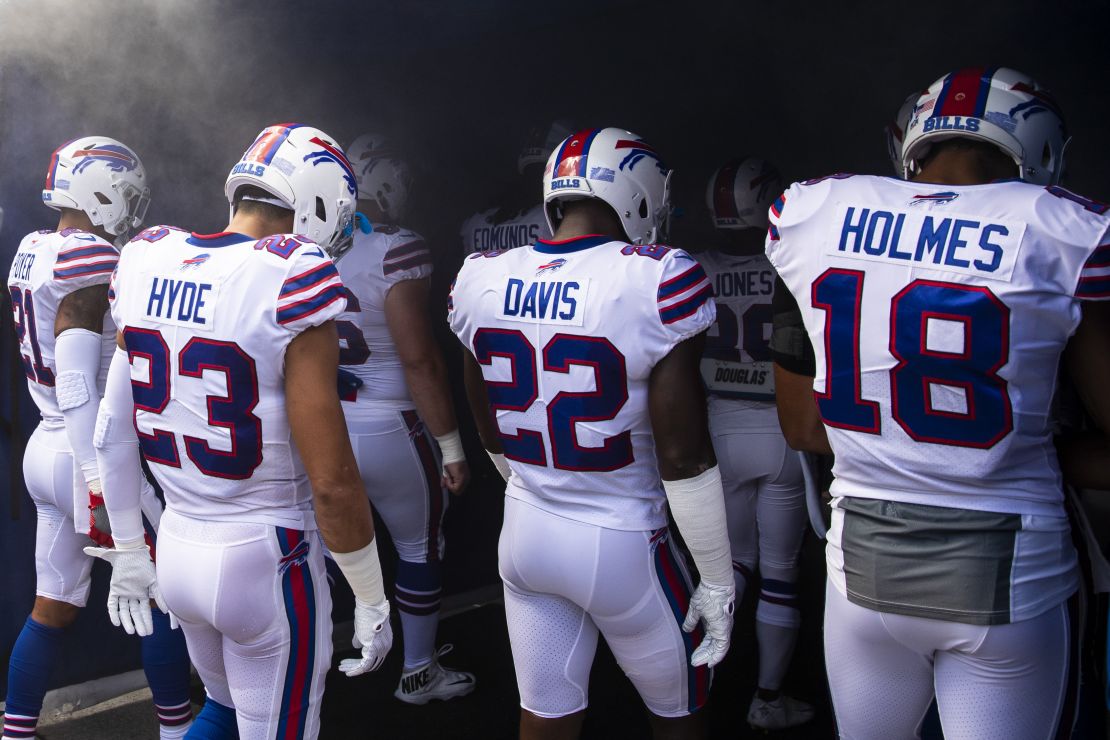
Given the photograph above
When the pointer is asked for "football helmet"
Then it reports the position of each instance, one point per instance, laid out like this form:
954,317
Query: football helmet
304,169
740,192
101,177
895,132
382,176
617,167
993,104
541,141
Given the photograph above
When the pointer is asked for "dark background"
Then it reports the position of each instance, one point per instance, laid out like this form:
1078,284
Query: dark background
188,84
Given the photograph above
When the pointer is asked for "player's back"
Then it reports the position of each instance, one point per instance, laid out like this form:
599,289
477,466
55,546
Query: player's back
206,320
938,315
377,261
47,267
568,333
482,232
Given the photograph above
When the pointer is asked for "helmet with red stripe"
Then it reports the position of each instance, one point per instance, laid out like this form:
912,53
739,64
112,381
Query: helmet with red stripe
895,131
306,172
101,177
617,167
741,191
383,177
993,104
541,141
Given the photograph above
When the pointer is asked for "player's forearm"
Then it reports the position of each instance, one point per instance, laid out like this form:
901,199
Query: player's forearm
799,417
77,354
343,511
427,381
698,507
117,452
478,399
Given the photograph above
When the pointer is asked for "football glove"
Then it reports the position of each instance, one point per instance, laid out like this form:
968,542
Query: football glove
373,635
713,605
134,583
100,530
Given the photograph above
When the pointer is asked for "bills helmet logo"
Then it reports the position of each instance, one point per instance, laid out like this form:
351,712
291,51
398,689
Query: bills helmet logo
194,262
551,266
119,158
946,197
329,153
297,556
638,151
763,180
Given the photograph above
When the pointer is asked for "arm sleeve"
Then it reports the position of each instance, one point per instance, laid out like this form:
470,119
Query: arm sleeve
84,260
790,345
117,452
684,299
408,259
312,292
77,355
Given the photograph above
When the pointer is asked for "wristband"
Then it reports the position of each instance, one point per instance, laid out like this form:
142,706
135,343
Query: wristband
135,544
698,506
363,572
451,447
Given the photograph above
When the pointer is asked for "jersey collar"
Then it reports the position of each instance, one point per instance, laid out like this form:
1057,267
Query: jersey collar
575,244
220,239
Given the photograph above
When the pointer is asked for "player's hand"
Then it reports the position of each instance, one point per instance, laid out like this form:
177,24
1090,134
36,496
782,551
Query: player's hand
713,605
99,529
373,634
134,585
456,476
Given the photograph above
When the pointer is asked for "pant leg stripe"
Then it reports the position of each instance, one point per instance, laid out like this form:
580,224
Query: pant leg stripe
678,591
300,610
419,435
1070,706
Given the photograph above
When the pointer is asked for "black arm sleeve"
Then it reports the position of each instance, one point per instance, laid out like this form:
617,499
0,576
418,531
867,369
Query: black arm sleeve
790,345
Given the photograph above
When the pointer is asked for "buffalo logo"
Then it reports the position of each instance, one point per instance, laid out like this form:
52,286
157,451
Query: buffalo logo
118,158
297,556
638,151
551,266
329,153
763,180
946,197
194,262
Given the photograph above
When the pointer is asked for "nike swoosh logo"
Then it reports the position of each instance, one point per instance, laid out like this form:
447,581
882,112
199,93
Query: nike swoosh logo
461,680
316,253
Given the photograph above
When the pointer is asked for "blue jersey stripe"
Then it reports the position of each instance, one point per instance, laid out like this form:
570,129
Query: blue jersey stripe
84,270
685,281
687,307
319,274
82,252
304,308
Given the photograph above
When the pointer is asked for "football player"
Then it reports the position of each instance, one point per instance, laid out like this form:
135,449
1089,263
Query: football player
518,219
58,286
763,481
400,403
227,361
588,345
895,132
938,309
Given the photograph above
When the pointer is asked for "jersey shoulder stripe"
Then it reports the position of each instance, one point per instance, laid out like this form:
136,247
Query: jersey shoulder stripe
684,294
96,268
85,261
1094,278
406,256
300,309
308,280
79,253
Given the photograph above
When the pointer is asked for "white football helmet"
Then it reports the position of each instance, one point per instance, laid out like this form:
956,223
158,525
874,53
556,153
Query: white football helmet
617,167
382,176
993,104
101,177
740,192
306,171
541,141
895,132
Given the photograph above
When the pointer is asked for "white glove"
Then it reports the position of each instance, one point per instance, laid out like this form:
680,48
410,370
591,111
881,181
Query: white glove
373,634
134,584
713,605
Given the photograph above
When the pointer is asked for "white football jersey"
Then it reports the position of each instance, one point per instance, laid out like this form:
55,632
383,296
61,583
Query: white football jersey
48,266
567,334
206,320
377,261
937,316
736,364
480,234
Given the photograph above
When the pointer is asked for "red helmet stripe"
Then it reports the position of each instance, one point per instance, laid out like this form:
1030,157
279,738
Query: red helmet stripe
961,92
571,161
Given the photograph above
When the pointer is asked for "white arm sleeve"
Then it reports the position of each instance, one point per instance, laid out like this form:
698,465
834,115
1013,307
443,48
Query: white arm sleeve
698,507
77,360
117,452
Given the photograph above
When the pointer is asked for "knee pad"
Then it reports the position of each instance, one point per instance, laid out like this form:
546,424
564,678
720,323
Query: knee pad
778,604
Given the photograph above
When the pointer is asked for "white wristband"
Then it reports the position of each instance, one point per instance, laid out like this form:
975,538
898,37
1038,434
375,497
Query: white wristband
698,506
135,544
501,464
450,445
363,572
